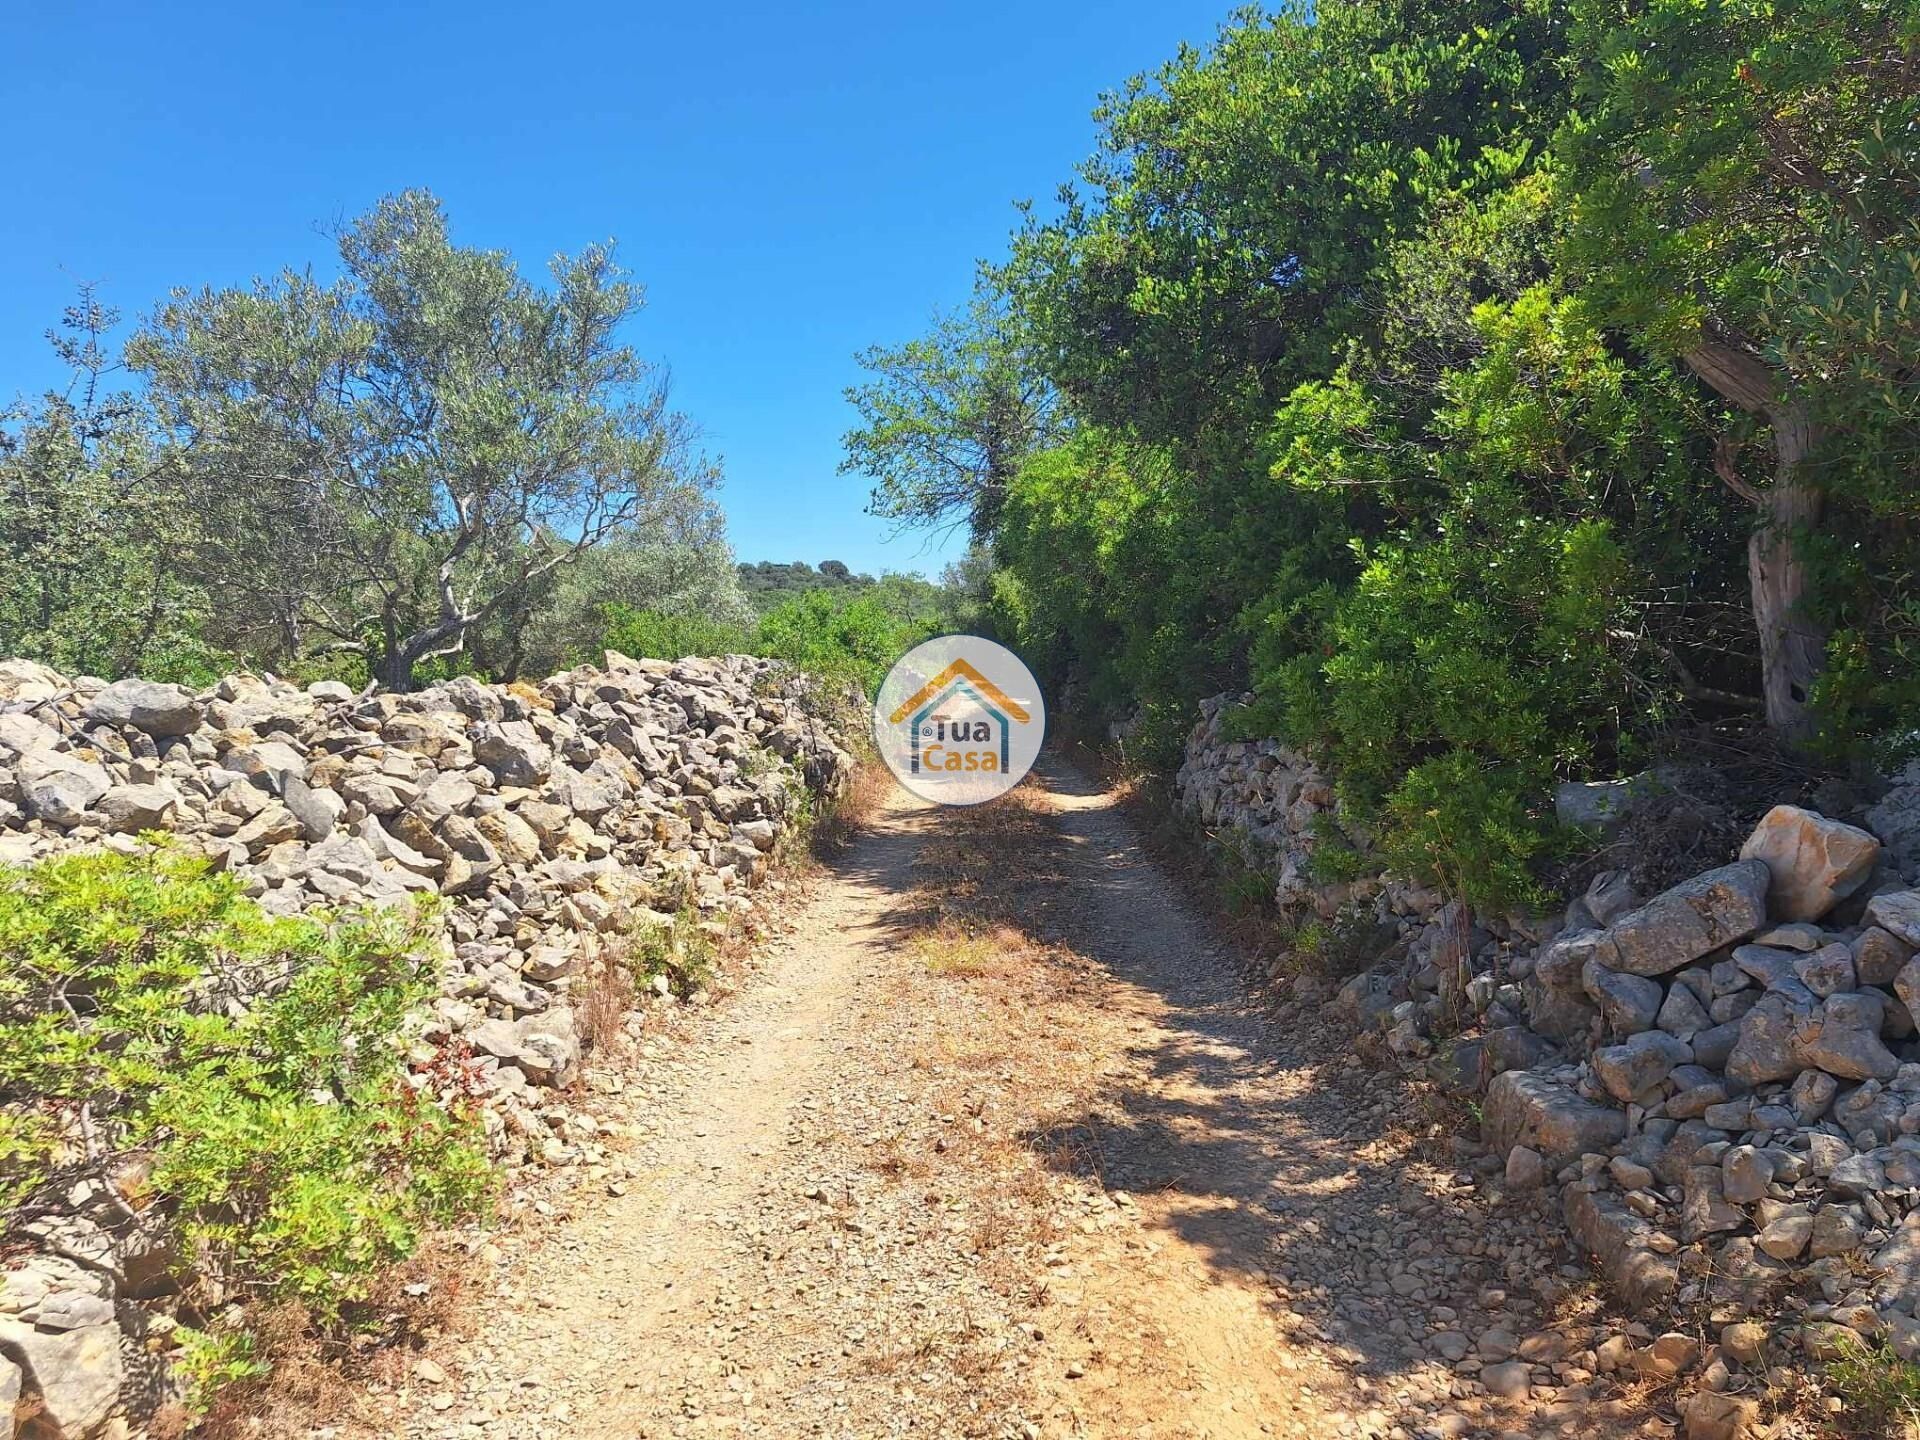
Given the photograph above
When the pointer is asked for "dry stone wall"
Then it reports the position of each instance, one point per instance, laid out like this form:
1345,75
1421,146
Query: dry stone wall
553,818
1274,805
1722,1079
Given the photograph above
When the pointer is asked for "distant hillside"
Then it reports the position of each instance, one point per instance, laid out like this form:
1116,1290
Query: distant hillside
768,582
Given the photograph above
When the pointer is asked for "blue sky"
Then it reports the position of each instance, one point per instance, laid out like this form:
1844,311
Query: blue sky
790,182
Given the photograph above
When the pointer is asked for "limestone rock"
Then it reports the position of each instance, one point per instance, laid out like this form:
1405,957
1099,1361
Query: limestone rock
1681,1012
1812,1095
1695,917
1523,1108
1526,1170
1705,1209
1814,863
132,808
1896,817
268,762
1643,1061
1621,1244
1837,1230
1711,1415
1787,1234
1509,1380
317,810
58,788
1557,1004
513,751
1599,803
1897,912
1609,896
1848,1042
515,841
1827,971
146,705
1629,1003
25,735
1767,1049
1745,1173
1879,956
76,1375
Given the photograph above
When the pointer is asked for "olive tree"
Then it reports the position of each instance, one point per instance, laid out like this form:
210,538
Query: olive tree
684,567
385,461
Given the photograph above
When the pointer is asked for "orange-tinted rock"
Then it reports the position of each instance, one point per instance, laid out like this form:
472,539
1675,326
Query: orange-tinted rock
1815,863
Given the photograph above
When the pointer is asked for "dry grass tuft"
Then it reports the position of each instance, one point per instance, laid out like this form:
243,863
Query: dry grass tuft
308,1388
867,794
951,947
314,1382
605,1000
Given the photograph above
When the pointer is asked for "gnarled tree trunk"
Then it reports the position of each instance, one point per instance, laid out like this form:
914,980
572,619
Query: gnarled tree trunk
1792,645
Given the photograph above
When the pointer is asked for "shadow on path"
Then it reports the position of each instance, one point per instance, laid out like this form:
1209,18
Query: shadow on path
1271,1152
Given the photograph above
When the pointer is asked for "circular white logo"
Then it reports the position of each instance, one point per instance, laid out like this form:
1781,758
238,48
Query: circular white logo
959,720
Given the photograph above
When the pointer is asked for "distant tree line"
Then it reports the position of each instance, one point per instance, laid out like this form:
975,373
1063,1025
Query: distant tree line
1489,388
767,582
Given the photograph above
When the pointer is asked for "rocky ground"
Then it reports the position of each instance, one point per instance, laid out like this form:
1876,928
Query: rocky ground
997,1143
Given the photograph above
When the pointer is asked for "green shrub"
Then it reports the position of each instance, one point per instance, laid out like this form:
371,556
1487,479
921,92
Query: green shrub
1881,1391
1469,828
1354,940
1246,887
281,1132
1334,860
842,635
678,950
207,1361
652,634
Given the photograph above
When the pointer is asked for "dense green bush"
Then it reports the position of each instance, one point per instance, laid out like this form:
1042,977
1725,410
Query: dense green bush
148,1007
1497,390
848,632
842,637
649,634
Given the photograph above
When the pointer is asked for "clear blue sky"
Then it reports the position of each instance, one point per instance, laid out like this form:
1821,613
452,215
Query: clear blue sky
790,182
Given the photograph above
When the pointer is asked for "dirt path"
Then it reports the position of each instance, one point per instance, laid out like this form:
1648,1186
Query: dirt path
995,1145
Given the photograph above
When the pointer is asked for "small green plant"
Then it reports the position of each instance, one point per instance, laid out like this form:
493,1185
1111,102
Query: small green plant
803,818
207,1361
757,763
1881,1390
1333,859
678,949
148,1006
1349,943
1245,887
954,948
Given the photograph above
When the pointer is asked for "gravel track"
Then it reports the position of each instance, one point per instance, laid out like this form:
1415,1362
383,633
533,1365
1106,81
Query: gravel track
1074,1182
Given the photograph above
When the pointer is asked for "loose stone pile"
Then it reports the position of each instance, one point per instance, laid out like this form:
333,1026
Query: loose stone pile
1750,1085
1722,1079
554,819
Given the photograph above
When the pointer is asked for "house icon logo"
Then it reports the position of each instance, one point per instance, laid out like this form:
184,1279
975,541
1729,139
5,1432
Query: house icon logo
959,720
